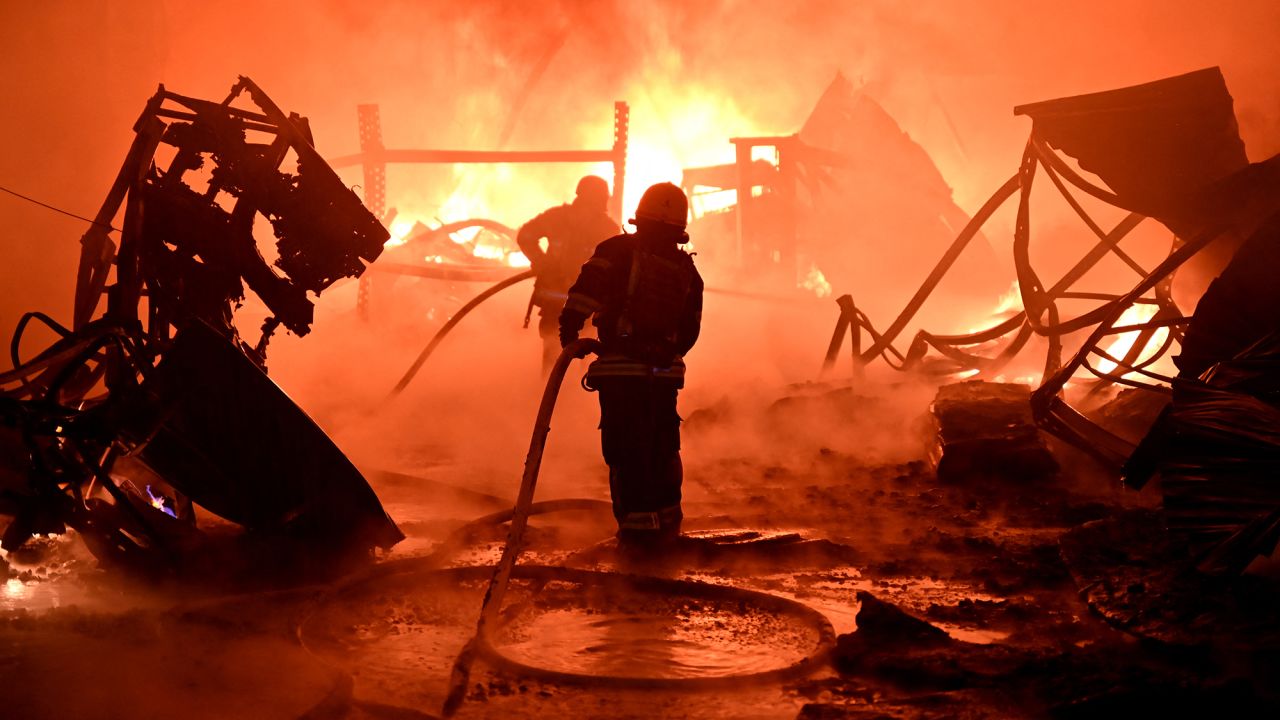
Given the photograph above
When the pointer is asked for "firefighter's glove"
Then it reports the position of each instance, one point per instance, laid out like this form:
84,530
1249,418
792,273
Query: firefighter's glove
566,338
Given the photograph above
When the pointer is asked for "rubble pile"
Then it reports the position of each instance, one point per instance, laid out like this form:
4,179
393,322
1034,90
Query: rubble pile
986,430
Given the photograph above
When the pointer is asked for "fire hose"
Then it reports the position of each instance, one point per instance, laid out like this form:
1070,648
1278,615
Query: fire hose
519,521
499,287
341,696
480,644
453,321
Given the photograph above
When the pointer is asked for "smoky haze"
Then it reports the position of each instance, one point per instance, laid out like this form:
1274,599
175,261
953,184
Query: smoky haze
471,75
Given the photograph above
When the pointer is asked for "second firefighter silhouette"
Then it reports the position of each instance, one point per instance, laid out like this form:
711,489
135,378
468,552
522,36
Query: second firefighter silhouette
572,232
646,299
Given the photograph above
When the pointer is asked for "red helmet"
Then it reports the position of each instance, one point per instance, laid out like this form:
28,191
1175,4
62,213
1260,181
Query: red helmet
664,203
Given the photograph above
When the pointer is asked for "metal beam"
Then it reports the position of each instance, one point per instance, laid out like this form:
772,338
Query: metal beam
474,156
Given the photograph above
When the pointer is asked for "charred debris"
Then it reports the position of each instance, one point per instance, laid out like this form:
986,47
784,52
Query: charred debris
1198,435
1170,151
152,403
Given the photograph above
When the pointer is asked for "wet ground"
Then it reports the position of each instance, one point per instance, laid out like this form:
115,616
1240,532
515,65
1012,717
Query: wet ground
980,598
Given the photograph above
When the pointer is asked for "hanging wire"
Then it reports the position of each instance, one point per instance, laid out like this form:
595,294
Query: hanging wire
58,210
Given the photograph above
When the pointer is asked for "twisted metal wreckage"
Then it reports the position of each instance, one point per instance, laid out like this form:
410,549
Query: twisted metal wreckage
156,403
1170,150
181,402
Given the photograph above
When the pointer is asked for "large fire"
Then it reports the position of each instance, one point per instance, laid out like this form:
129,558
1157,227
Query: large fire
1008,304
815,282
672,127
400,228
1124,342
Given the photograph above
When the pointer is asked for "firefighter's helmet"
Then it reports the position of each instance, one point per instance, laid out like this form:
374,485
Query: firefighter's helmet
593,190
664,203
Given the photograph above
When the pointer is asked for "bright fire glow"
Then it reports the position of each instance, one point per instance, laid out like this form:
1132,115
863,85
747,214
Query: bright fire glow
471,194
816,282
675,126
470,201
15,589
1032,380
1010,302
672,126
709,201
483,245
159,502
1124,342
400,229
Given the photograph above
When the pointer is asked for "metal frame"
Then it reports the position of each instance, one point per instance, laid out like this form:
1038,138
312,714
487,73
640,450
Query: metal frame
374,157
1042,315
189,254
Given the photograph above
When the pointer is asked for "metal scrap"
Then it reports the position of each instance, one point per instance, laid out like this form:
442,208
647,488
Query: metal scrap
154,406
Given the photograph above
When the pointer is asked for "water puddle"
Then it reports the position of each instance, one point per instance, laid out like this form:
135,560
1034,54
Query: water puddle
653,637
43,583
414,625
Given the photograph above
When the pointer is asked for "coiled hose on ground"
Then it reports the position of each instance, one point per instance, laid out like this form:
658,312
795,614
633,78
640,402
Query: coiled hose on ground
481,646
519,521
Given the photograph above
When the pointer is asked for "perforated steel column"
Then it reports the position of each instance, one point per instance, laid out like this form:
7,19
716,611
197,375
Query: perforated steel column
621,127
375,186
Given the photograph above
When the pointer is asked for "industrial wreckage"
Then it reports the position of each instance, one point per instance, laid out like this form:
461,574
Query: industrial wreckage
157,403
1169,150
123,467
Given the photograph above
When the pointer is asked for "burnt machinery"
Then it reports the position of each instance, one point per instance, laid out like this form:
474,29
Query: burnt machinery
150,404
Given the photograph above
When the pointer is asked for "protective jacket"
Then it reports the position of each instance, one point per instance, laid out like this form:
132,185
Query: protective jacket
572,232
645,297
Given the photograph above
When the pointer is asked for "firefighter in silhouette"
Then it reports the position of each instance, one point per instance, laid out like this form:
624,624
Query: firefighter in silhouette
572,232
645,297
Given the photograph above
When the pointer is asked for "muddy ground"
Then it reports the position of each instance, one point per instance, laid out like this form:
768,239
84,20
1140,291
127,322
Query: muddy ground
983,597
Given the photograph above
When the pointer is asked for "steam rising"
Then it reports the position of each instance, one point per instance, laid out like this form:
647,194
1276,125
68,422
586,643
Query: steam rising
486,74
481,75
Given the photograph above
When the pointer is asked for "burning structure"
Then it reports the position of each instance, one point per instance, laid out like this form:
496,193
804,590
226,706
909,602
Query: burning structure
1149,143
844,554
809,201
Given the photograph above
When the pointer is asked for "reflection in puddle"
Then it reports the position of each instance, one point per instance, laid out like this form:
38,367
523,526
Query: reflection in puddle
15,594
37,595
707,641
45,580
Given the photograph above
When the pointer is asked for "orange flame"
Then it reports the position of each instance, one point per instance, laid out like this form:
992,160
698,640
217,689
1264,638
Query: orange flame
1119,347
815,282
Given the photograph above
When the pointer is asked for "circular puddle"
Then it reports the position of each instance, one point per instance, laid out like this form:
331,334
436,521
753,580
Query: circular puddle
613,631
563,625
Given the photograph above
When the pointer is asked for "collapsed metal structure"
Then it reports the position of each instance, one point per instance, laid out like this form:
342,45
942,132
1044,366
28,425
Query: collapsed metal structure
158,389
1042,314
1169,150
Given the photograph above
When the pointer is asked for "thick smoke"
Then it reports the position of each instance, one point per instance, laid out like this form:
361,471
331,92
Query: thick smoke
480,75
